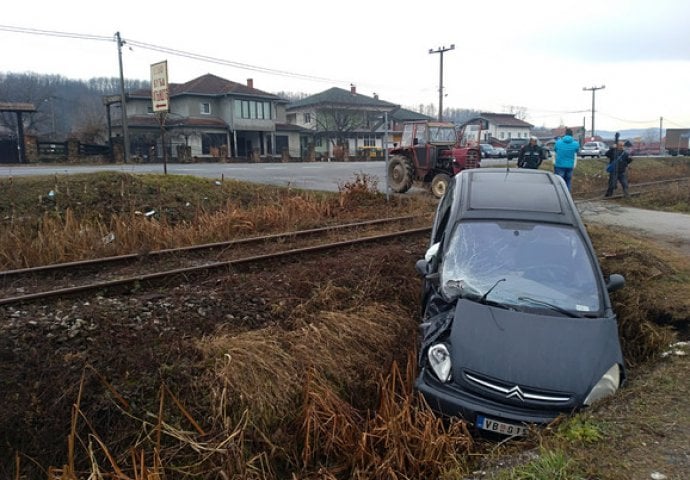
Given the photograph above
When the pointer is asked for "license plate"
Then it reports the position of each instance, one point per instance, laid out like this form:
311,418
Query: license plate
500,427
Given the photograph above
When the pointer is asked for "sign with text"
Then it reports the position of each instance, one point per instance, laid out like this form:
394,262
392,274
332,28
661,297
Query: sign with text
159,87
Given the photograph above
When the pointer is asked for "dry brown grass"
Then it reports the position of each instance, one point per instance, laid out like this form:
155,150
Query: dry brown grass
657,291
79,226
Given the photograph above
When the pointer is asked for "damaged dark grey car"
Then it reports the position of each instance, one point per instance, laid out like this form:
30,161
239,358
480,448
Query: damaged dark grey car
517,326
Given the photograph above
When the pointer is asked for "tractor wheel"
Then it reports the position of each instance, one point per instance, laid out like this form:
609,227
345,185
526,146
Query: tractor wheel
439,184
400,173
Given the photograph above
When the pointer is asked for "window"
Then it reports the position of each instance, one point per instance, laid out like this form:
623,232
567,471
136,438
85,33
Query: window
502,135
253,109
149,109
205,108
369,142
307,118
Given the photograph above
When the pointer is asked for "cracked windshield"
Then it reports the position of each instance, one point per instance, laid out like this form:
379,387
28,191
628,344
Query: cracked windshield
527,264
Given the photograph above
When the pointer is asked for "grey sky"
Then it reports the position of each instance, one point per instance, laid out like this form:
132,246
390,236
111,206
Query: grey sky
535,54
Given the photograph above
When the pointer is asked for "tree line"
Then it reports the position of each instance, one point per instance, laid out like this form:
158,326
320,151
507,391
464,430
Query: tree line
64,107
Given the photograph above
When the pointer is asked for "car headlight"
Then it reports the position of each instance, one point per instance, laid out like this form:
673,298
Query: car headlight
439,360
605,387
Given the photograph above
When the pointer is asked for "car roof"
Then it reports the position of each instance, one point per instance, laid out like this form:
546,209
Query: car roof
513,194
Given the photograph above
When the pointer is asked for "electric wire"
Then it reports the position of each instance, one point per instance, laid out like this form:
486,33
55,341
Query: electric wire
171,51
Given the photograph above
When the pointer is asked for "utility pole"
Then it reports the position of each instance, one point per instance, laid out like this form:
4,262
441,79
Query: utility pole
661,134
123,103
593,90
441,50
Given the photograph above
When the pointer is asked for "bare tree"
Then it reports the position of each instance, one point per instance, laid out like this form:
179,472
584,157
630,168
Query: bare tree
519,112
335,123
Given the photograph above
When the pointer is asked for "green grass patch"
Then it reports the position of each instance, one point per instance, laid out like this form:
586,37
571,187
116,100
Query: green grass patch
549,465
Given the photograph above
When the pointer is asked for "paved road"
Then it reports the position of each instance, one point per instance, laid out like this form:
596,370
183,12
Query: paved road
327,176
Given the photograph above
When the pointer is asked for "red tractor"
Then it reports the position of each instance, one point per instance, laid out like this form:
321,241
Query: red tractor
430,153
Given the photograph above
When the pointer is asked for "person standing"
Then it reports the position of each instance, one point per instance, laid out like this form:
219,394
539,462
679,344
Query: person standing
531,154
566,149
619,160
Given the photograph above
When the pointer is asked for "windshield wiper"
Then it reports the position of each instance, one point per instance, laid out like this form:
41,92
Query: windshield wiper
556,308
483,299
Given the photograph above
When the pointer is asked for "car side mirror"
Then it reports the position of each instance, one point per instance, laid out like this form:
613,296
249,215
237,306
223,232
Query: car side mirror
422,267
616,282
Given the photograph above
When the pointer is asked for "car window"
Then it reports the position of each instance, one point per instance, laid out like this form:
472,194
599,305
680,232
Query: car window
549,263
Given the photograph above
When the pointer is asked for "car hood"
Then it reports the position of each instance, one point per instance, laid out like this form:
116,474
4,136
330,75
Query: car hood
547,352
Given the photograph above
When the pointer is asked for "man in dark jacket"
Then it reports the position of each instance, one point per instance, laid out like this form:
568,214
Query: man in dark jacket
619,160
531,154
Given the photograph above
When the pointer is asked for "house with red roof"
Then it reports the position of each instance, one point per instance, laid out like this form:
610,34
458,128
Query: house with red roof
208,117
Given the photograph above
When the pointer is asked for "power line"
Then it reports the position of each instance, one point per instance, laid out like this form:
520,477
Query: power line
53,33
629,121
171,51
231,63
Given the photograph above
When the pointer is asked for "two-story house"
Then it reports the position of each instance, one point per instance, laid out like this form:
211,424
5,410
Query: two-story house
337,122
210,116
497,128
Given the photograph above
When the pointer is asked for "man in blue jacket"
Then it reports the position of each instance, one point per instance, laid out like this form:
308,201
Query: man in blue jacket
566,149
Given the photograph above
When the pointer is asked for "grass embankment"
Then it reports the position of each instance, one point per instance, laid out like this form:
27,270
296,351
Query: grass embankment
70,217
325,389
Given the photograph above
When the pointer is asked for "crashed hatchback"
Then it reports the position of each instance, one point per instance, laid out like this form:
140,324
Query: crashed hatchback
517,323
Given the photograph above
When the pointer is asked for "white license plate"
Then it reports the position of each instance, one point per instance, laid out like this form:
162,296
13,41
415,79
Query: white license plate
500,427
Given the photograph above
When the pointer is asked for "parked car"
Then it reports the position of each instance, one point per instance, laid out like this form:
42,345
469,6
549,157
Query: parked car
488,151
501,152
593,149
517,325
514,146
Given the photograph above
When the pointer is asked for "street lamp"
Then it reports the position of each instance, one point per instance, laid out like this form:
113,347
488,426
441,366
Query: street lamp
441,50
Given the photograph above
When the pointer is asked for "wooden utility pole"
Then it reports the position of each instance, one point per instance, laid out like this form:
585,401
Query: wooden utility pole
593,90
441,50
123,103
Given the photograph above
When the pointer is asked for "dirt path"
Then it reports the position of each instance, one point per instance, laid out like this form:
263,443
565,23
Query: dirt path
671,229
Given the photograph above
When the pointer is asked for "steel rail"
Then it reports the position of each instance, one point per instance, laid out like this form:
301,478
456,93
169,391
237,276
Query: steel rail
191,248
589,196
210,266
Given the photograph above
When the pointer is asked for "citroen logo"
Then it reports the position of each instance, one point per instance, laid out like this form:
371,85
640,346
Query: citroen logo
516,392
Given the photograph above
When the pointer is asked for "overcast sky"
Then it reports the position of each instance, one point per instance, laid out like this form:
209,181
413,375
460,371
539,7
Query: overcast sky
533,54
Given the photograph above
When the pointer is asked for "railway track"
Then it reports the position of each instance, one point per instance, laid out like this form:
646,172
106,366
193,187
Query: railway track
60,280
64,279
634,188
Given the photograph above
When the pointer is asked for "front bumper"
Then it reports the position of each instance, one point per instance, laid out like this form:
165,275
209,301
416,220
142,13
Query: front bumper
467,404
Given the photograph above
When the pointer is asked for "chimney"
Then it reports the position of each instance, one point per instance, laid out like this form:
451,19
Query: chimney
250,82
376,96
353,89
